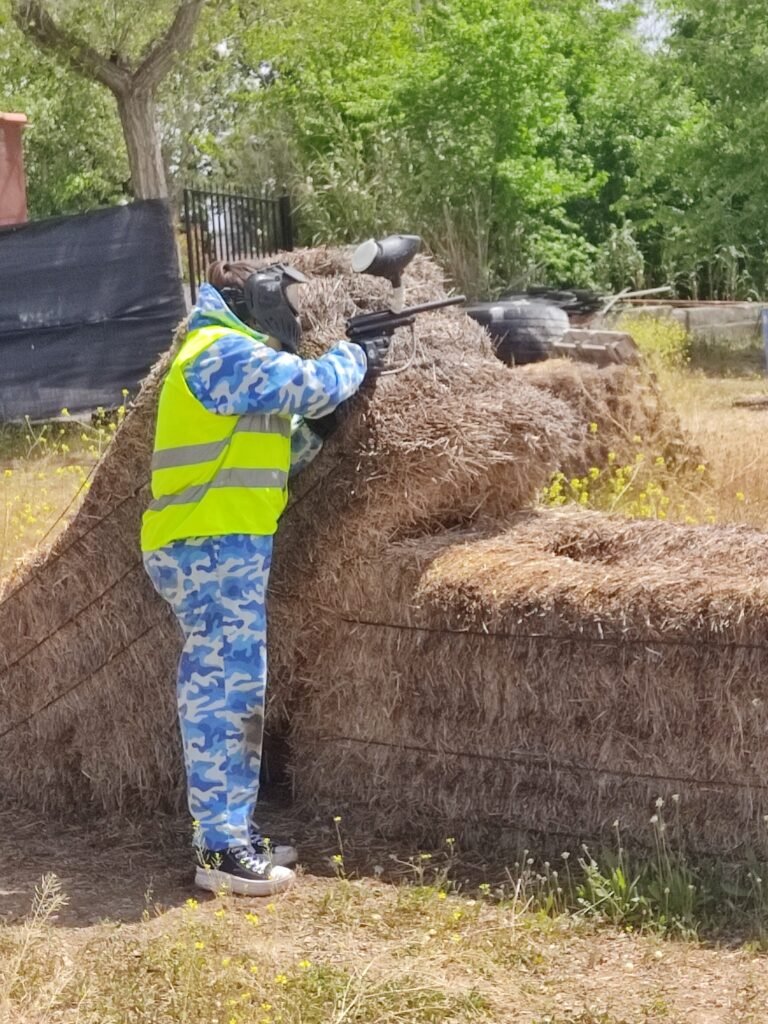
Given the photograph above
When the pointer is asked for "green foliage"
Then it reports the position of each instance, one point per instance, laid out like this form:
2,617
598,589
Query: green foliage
74,154
476,123
126,27
526,141
660,893
663,341
705,179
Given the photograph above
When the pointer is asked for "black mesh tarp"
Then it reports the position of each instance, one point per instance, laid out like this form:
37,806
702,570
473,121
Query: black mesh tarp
87,303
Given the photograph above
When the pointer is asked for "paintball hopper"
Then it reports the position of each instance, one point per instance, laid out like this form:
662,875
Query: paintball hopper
272,301
387,257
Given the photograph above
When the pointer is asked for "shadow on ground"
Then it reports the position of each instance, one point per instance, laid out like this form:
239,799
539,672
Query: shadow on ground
117,871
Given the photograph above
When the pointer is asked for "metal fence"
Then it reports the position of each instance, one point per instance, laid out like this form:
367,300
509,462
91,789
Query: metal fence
228,225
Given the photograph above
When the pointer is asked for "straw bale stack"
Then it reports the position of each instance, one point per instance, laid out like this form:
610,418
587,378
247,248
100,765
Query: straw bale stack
88,651
624,408
81,628
553,678
444,451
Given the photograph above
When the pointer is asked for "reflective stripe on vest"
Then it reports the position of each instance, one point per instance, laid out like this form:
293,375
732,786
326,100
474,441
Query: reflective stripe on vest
189,454
213,474
224,478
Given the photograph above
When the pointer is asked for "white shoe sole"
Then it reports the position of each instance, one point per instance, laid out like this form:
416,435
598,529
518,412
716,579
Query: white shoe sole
280,878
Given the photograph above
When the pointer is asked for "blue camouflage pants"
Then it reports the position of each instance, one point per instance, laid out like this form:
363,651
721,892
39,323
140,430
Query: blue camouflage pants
217,588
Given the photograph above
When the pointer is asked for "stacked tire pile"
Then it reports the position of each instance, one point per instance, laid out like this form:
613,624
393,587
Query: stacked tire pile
525,327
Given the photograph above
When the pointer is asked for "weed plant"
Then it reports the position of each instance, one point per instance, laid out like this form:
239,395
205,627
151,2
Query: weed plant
663,341
646,486
655,888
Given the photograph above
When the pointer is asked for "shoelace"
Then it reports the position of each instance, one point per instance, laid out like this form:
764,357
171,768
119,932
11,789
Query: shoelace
251,861
259,841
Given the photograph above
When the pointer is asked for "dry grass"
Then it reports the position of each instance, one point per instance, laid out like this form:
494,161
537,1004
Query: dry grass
32,499
733,442
338,951
45,472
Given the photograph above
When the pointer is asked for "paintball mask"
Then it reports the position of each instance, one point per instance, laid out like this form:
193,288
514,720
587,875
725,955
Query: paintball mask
269,301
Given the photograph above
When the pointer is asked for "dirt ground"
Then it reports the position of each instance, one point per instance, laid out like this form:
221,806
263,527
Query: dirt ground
115,870
530,970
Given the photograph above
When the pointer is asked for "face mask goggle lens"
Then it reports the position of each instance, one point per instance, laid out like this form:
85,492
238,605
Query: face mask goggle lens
292,295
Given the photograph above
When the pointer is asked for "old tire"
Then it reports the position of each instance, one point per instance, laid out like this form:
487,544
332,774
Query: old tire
522,330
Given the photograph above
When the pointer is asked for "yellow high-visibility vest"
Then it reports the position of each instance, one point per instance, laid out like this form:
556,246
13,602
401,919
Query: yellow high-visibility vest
213,475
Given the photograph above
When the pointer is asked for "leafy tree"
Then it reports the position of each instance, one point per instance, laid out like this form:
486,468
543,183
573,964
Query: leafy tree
484,124
129,48
74,153
706,179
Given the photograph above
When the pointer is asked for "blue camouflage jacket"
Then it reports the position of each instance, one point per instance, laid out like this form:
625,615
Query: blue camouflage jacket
239,374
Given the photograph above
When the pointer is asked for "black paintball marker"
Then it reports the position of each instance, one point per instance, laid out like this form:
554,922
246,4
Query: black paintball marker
387,258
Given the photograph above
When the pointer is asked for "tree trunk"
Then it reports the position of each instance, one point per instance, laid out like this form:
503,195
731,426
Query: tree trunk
137,116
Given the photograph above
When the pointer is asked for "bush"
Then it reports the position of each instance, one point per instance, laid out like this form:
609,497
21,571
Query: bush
661,339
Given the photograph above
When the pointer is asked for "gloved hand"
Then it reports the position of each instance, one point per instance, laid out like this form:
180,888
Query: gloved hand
375,352
326,425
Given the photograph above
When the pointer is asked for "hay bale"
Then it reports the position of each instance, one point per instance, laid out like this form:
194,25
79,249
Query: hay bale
82,628
554,678
453,442
622,404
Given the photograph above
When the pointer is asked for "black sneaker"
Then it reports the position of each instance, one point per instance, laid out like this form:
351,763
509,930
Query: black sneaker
280,854
241,870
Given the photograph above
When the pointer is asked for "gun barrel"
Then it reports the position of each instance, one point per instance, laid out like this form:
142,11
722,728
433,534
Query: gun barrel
389,320
434,304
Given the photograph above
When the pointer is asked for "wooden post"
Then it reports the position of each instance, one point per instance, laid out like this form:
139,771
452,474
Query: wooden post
13,185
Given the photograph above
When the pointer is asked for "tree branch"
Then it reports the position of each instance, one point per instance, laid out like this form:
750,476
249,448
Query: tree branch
36,22
177,37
